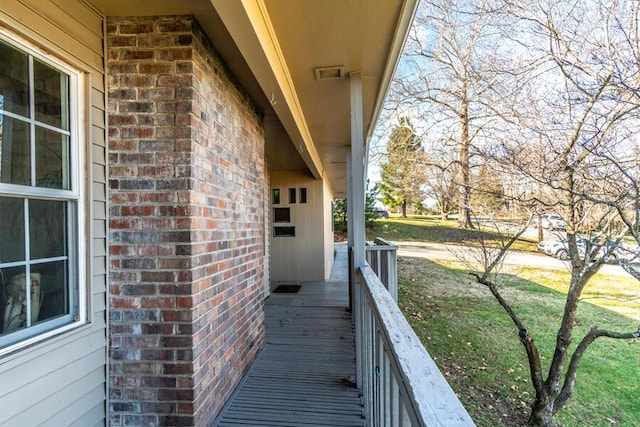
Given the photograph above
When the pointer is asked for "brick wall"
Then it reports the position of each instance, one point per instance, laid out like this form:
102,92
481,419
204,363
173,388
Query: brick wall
186,180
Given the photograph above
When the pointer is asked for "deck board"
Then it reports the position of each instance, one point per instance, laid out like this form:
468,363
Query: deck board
298,379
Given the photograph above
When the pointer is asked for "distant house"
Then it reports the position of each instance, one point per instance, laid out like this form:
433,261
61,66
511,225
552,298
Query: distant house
161,162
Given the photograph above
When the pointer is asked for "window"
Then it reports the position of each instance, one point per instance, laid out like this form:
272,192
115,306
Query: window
276,196
39,193
288,231
303,195
281,215
292,195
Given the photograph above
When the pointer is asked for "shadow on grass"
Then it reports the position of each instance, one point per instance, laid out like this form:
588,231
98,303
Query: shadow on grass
419,229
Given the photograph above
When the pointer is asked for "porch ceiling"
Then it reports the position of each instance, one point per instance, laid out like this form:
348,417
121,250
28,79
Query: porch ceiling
273,47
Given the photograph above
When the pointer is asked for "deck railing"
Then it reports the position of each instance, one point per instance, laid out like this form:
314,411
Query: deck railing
382,257
401,384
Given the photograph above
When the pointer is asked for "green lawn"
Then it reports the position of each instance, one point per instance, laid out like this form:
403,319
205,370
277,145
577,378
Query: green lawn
476,345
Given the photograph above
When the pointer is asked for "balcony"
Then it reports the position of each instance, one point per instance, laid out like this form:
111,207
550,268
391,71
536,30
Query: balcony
309,374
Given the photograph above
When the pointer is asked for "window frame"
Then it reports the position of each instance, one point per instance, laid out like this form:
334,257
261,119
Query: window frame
74,198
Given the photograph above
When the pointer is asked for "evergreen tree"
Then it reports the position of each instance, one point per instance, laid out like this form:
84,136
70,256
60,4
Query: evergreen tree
370,211
404,172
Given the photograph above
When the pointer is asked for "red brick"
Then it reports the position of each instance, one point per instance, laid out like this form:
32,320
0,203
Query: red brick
120,41
137,54
156,198
158,302
154,40
174,26
182,80
138,210
118,120
156,94
136,28
136,132
157,276
186,199
156,68
122,68
124,303
156,171
175,54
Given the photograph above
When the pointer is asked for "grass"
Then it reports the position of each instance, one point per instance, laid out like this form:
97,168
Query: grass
476,345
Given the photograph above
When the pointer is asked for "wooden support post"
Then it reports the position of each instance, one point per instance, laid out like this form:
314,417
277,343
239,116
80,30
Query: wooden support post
355,217
357,170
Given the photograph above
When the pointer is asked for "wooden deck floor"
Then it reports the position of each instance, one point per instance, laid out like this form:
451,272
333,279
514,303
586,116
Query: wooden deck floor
299,377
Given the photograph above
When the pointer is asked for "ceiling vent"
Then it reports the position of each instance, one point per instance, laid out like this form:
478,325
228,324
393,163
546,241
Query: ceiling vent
329,73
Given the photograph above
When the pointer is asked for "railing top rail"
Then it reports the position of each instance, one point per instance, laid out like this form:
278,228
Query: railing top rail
433,400
384,242
381,248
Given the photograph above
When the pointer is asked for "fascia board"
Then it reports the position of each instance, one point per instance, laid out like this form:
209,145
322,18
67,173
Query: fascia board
249,25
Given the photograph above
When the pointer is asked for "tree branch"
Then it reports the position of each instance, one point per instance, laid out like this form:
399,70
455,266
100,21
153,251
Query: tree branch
525,338
570,378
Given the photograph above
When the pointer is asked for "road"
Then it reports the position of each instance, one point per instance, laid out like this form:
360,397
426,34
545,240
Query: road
439,251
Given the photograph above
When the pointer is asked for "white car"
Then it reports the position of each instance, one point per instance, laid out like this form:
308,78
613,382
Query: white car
560,249
555,248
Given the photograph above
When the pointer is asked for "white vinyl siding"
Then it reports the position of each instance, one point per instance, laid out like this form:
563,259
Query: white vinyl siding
62,380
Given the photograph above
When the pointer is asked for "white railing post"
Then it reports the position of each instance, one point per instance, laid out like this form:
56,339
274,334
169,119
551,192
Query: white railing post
393,273
382,258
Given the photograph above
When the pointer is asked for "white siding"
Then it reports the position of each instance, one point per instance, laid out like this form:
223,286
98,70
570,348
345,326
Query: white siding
62,381
299,258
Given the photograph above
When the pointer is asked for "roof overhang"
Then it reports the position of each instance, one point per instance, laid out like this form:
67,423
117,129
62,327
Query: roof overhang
293,58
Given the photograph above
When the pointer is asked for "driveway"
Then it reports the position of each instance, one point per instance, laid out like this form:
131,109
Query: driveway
439,251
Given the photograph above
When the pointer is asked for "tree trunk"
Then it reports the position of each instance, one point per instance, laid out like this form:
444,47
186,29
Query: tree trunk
540,232
464,203
404,209
542,413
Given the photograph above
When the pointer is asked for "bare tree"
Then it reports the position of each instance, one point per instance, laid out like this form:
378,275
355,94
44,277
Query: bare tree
441,184
448,79
582,108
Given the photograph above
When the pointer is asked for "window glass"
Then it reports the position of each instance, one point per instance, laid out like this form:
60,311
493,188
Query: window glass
276,196
52,159
15,299
303,195
14,80
281,215
12,242
15,153
287,231
47,236
292,195
54,292
51,93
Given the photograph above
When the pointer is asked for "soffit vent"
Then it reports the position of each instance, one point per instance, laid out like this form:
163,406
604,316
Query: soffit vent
329,73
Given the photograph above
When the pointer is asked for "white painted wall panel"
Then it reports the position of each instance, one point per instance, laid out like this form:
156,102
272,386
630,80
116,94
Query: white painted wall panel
299,258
